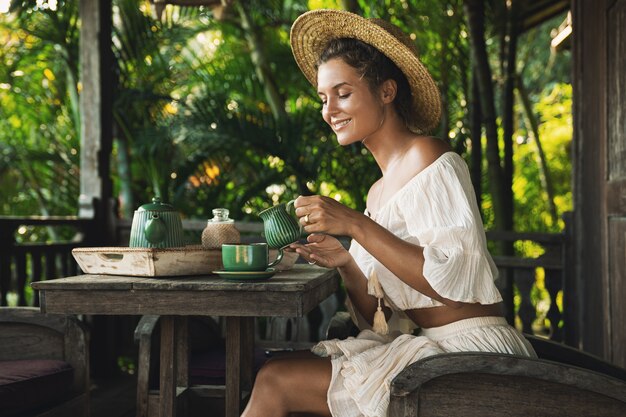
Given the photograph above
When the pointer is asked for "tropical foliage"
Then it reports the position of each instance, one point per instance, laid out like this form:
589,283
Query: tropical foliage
39,140
211,111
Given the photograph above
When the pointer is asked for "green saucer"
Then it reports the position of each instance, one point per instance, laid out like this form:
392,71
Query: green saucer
246,275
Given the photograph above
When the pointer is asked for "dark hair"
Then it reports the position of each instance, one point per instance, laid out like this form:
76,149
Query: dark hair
373,66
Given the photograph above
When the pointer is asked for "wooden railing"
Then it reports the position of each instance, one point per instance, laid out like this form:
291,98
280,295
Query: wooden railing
21,264
530,301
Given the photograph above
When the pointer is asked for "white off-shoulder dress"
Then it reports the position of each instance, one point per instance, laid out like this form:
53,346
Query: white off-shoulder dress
436,209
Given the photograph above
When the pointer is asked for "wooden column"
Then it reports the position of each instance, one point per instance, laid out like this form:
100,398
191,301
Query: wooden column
96,110
600,175
616,171
96,139
588,167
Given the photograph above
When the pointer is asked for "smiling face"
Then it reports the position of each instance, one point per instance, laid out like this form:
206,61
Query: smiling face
348,104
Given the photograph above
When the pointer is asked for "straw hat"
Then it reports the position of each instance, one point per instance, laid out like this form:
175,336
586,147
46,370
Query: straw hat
311,32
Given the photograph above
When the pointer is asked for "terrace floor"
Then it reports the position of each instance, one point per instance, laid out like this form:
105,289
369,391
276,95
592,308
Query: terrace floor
113,397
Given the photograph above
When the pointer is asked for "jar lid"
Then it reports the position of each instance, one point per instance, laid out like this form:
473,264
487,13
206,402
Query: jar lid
156,205
221,215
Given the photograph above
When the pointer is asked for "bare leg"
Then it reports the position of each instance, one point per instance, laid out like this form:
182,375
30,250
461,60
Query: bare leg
296,383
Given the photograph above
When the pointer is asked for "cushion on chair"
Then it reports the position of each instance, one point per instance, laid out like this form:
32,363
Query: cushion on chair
31,384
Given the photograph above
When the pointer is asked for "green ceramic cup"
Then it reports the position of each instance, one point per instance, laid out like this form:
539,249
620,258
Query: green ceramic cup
248,257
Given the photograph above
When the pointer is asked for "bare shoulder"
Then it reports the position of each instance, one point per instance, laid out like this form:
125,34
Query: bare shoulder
426,150
375,187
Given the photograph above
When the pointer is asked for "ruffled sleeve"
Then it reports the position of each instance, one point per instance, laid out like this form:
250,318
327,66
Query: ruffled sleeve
440,210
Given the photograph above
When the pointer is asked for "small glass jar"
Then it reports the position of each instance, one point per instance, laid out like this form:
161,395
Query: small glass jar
219,230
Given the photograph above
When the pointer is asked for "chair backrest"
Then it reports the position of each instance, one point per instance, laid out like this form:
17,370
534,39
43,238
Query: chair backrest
26,333
490,384
559,352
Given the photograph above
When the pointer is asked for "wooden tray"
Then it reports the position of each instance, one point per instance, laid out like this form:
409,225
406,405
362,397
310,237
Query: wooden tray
148,262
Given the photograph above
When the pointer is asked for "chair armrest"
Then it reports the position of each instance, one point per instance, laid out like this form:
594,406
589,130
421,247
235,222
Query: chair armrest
490,384
341,326
143,336
77,341
145,328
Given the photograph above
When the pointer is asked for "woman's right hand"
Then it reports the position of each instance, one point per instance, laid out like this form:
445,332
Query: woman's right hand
323,250
321,214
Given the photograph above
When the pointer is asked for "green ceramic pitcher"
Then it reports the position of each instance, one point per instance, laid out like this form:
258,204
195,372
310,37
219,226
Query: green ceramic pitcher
156,225
281,225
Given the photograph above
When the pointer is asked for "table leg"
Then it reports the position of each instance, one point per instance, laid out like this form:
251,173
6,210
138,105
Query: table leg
182,363
239,361
167,384
247,353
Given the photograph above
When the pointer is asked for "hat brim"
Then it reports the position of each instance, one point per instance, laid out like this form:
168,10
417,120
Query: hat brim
312,31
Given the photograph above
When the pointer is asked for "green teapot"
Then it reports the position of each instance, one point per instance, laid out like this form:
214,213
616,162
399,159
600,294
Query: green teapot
156,225
280,225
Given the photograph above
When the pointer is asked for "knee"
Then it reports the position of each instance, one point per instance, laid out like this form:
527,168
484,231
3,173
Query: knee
276,378
266,398
270,376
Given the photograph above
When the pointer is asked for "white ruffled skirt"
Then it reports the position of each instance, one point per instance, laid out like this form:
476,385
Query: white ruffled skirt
363,367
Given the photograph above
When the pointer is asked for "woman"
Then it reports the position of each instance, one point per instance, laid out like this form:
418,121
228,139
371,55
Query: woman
418,256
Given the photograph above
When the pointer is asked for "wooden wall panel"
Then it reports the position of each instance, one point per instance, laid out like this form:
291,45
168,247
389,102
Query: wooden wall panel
616,75
616,197
616,167
617,272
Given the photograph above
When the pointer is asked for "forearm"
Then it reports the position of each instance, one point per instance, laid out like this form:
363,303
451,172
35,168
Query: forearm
402,258
356,288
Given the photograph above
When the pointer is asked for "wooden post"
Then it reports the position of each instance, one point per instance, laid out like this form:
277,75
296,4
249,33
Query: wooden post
590,173
96,115
7,241
96,101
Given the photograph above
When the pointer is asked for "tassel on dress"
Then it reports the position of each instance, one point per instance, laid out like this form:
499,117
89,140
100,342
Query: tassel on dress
373,288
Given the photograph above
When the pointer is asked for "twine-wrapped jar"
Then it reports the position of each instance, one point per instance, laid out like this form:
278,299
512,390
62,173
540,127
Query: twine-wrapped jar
219,230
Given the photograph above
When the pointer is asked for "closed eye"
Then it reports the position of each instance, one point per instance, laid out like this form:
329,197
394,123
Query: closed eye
340,96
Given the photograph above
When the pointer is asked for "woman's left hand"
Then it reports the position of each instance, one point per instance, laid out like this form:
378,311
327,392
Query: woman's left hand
319,214
323,250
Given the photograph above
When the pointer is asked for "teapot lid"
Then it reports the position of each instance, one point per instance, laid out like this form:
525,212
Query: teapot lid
156,205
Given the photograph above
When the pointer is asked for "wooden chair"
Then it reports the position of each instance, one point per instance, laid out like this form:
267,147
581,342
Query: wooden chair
44,364
562,382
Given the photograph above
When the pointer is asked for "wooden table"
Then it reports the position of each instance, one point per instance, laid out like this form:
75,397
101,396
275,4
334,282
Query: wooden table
290,293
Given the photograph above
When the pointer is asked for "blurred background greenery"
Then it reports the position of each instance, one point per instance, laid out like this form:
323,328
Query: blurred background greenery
211,110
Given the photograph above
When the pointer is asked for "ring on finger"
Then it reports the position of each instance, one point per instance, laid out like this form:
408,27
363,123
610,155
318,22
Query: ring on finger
312,262
306,219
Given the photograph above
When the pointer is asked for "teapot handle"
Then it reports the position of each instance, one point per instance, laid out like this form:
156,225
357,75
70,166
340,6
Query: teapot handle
292,210
155,229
